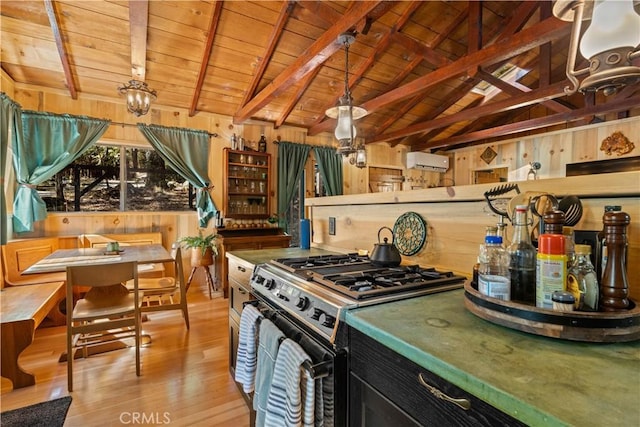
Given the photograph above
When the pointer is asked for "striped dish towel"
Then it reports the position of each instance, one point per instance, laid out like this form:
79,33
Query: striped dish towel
292,394
268,344
247,356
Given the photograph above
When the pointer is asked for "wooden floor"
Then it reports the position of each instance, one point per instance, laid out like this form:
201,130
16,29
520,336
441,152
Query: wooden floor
185,377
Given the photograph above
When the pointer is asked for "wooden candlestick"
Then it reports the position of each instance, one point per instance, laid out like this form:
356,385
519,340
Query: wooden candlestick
614,289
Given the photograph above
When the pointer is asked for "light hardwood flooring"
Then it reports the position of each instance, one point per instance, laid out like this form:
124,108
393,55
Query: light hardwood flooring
185,378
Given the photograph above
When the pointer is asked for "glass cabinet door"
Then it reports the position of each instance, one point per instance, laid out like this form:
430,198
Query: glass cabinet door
247,190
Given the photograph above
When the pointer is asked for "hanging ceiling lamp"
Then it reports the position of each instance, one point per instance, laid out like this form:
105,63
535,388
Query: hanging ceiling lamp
345,112
139,97
609,43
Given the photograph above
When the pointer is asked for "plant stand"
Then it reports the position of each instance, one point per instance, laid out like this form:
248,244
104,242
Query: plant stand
207,276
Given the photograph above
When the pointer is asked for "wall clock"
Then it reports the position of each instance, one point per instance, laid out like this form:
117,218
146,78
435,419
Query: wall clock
410,233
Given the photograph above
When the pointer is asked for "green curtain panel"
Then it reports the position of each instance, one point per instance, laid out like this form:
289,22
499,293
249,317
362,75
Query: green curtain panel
49,142
186,151
10,126
330,165
291,160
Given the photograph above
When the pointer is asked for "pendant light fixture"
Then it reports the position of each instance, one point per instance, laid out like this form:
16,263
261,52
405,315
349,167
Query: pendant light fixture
345,112
610,43
139,97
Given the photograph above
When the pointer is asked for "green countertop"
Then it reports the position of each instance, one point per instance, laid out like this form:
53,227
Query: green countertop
538,380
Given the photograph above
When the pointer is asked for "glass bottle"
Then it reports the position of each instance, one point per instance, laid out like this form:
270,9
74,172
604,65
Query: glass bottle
582,281
262,144
569,245
522,255
493,274
489,231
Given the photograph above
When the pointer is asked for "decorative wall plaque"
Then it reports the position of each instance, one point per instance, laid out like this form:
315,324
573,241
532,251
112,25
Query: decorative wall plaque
488,155
616,143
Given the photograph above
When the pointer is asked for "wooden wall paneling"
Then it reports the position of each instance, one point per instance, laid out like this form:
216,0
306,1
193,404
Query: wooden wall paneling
7,84
64,225
583,148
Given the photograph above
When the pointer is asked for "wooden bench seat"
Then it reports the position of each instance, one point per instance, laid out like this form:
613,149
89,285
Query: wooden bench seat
18,255
22,309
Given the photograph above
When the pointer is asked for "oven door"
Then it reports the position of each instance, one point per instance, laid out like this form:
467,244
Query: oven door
329,366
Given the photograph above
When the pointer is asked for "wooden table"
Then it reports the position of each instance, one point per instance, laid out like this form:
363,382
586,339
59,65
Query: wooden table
22,309
60,259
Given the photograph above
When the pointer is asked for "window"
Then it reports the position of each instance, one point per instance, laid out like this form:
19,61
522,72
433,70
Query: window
117,178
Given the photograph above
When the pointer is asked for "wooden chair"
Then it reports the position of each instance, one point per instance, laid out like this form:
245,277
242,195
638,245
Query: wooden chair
108,310
159,294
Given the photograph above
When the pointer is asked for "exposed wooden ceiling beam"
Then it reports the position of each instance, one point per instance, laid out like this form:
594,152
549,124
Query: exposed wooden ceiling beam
553,91
453,97
412,45
527,125
520,42
513,24
325,46
323,123
138,23
62,51
516,88
303,86
276,32
206,54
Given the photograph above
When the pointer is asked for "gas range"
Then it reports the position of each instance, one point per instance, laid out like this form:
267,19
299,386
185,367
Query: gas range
316,291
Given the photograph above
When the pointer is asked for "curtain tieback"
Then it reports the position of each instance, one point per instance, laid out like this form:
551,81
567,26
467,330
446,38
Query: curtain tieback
211,187
31,186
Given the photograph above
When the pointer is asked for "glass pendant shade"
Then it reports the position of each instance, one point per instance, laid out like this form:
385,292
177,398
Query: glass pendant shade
614,24
361,157
345,113
345,126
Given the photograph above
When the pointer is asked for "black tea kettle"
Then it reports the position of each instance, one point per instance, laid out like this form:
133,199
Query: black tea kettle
385,254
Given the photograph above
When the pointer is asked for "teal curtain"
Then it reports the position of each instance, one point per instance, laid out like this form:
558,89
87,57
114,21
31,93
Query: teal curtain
49,142
187,152
330,165
291,160
10,127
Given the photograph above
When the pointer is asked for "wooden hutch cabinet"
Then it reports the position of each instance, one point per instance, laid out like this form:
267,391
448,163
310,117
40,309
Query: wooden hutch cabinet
247,200
247,184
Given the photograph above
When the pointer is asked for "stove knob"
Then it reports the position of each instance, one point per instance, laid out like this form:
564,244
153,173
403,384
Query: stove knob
303,303
283,297
316,314
259,279
270,284
328,321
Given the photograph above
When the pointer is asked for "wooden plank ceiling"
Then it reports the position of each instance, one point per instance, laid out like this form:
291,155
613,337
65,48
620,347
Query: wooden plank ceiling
414,64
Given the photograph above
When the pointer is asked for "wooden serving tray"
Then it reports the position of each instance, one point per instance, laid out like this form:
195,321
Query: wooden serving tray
620,326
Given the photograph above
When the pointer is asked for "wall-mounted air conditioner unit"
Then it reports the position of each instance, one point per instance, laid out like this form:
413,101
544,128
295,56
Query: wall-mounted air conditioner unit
427,161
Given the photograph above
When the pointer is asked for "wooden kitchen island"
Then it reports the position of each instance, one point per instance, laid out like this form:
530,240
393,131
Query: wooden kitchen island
537,380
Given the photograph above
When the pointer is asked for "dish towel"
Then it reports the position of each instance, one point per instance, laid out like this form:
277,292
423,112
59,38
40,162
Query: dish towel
247,356
268,343
292,394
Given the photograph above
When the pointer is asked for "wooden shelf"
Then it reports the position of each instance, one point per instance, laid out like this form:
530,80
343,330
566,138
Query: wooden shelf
621,326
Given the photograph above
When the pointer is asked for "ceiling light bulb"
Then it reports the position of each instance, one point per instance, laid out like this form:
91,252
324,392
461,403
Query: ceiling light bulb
614,24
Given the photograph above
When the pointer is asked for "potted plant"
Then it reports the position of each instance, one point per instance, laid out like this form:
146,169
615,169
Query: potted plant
203,248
